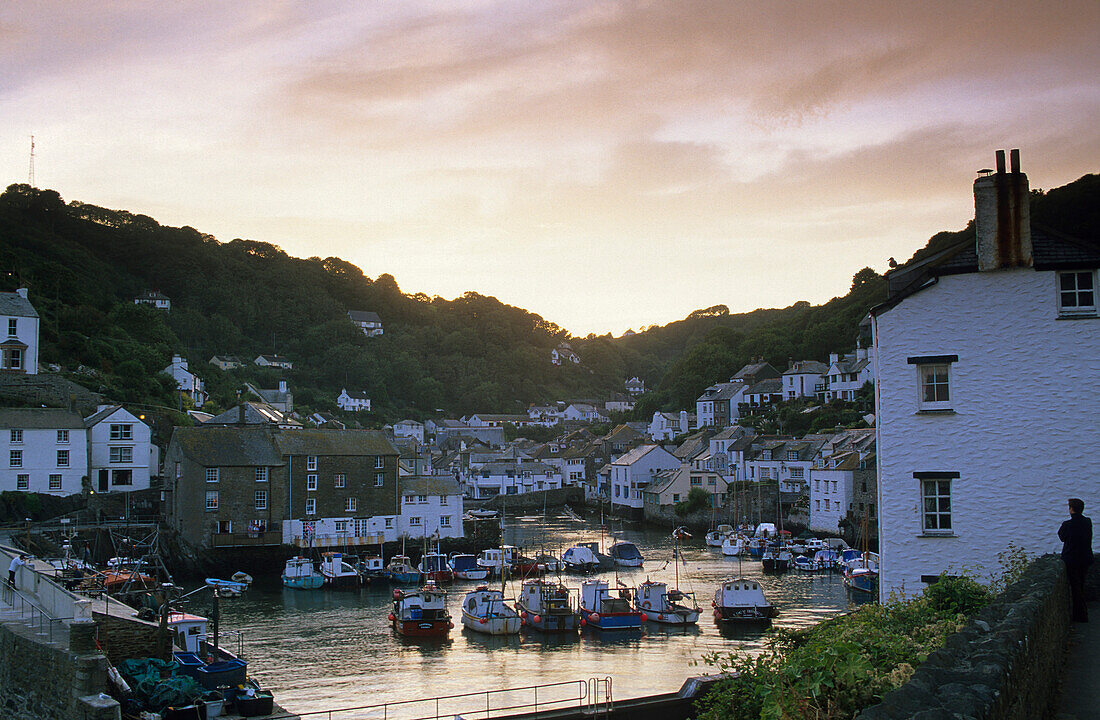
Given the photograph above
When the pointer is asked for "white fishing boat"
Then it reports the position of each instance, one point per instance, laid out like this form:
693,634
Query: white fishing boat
227,588
580,559
734,545
338,573
482,514
741,600
659,604
547,606
465,567
717,536
485,611
625,554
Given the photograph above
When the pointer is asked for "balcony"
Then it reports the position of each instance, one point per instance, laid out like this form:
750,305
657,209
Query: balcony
337,540
246,539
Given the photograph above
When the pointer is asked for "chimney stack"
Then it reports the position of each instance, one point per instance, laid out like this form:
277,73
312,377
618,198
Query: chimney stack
22,292
1002,218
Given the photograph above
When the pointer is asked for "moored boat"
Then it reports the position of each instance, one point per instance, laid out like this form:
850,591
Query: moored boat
777,558
580,559
604,611
400,570
338,573
371,569
740,600
227,588
717,536
485,611
659,604
421,613
433,566
547,606
299,574
734,544
495,560
626,554
465,567
861,573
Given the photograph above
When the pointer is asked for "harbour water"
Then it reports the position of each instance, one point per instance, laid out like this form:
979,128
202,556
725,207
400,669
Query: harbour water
321,650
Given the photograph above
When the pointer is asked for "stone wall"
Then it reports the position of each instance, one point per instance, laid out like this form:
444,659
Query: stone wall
1005,665
45,681
128,638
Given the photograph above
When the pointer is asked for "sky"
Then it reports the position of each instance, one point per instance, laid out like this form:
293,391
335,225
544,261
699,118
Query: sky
607,165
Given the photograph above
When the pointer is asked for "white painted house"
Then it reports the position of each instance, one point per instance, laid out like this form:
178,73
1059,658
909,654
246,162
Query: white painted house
583,412
564,353
278,361
665,426
155,298
431,507
42,450
19,325
409,429
352,401
512,478
367,321
121,454
987,392
632,473
846,375
804,378
188,382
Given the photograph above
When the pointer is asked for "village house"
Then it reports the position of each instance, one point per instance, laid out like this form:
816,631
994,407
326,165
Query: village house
847,375
511,478
273,361
583,412
121,454
279,397
804,379
226,362
44,450
666,426
367,321
409,429
431,507
619,403
252,412
843,468
634,386
234,486
631,475
352,401
19,348
764,393
966,464
187,382
672,486
155,298
497,420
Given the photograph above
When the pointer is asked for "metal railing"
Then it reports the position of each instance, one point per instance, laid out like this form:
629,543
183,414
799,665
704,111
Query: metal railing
19,605
591,697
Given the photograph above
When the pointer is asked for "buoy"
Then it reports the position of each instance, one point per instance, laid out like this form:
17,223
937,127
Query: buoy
645,617
523,615
450,625
583,622
396,594
594,617
538,619
392,618
482,620
646,604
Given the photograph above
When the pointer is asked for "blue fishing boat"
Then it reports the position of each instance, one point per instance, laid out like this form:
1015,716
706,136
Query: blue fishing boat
300,575
465,567
604,611
400,570
547,606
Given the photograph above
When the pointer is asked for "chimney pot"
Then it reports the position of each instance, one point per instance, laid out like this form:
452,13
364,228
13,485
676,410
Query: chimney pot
1000,162
1014,160
1002,221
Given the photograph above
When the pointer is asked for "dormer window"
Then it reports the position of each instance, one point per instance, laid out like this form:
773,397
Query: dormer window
1077,293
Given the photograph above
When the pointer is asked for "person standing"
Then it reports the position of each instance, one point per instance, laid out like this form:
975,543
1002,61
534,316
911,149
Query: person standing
16,563
1076,537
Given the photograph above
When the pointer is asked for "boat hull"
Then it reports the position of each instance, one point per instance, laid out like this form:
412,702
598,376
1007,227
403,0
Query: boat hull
478,574
507,625
746,615
556,623
403,578
439,577
309,582
342,582
421,628
775,565
611,621
865,583
673,617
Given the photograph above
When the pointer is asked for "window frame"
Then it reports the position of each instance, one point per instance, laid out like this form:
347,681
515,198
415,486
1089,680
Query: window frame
261,474
23,481
311,482
15,436
213,474
1076,310
211,495
379,479
311,506
121,431
64,459
444,521
311,463
260,497
120,455
938,488
339,480
56,481
62,437
15,458
351,504
928,367
379,462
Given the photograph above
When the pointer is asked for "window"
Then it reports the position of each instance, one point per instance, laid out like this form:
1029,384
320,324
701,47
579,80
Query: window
351,505
863,486
62,437
179,469
834,486
15,458
260,474
675,497
311,462
121,454
311,506
711,481
379,462
696,480
414,522
16,436
338,481
63,458
211,499
379,479
15,359
389,523
934,372
817,486
341,526
796,473
817,505
13,326
261,499
422,498
792,455
55,482
1076,293
444,521
22,482
225,526
410,498
211,474
122,477
311,482
936,495
826,503
122,431
442,499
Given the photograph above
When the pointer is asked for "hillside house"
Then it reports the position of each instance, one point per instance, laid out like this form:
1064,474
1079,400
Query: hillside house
583,412
352,401
804,379
367,321
764,393
409,429
632,474
718,406
226,362
155,298
564,353
843,470
279,397
665,426
19,323
635,386
187,382
121,454
846,375
619,403
273,361
253,413
963,467
512,478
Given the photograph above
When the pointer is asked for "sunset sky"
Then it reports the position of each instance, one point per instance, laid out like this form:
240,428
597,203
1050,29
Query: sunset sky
607,165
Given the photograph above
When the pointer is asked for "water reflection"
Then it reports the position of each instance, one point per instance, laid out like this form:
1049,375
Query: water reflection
320,650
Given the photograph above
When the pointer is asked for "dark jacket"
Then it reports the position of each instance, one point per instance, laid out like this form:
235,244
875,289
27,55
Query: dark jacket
1076,537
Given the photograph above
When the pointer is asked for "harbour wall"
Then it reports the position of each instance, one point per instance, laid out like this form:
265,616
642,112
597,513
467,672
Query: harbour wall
1004,665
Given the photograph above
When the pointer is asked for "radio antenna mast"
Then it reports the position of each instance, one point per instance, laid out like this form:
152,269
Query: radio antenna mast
30,173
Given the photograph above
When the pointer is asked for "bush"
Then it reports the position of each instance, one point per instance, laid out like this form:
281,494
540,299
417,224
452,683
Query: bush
697,499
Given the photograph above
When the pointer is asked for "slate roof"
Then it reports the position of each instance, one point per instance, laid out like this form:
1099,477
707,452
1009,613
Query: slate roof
771,386
356,395
364,316
807,367
731,433
228,446
334,442
635,454
100,414
721,391
498,468
255,413
40,419
16,305
429,485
